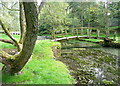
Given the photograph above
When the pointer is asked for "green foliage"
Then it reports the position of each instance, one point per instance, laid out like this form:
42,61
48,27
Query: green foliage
108,82
53,16
58,15
10,18
95,13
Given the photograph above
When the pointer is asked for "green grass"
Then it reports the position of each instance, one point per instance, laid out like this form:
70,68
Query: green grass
114,27
42,68
43,49
94,40
6,45
45,71
3,36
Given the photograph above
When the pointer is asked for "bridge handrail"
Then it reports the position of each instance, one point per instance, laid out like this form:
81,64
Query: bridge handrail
77,31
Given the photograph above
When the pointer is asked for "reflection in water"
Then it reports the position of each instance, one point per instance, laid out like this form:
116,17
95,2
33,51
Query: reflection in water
90,65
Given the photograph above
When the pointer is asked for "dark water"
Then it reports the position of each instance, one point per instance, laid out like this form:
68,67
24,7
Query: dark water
90,63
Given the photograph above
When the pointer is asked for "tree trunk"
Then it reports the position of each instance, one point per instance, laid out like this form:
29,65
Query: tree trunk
31,16
82,21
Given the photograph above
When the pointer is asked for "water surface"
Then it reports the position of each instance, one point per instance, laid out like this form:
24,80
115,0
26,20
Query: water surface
90,63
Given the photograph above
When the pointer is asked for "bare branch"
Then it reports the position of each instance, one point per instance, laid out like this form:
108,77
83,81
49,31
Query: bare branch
41,5
9,8
14,4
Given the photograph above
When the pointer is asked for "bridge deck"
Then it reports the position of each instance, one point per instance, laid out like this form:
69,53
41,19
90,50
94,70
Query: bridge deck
74,37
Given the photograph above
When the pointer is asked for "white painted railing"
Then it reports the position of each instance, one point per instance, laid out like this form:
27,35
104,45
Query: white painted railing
15,33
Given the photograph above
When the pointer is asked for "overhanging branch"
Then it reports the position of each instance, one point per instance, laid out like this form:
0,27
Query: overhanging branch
10,36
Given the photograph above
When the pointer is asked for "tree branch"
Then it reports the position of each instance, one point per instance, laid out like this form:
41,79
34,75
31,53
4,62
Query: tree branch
10,36
6,41
3,54
5,57
14,5
41,5
22,22
9,8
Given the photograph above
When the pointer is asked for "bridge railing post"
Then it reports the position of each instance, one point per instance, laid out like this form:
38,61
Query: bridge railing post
82,31
77,32
98,33
88,33
107,33
114,37
66,33
90,30
53,35
72,32
61,32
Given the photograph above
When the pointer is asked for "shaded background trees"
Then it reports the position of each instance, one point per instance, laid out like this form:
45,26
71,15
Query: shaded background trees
61,15
9,13
101,15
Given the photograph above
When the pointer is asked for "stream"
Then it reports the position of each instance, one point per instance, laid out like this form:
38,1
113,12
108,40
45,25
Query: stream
90,63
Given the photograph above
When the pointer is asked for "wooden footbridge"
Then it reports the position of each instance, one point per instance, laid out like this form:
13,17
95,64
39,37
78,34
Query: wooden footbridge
83,33
80,33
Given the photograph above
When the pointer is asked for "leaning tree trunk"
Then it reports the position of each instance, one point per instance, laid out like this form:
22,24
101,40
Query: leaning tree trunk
31,16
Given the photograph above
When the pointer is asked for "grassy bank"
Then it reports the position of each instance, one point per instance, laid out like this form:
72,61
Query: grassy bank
42,68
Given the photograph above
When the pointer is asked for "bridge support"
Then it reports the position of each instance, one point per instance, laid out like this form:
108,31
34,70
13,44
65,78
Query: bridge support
114,37
75,33
82,31
107,33
66,33
98,33
88,32
53,35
